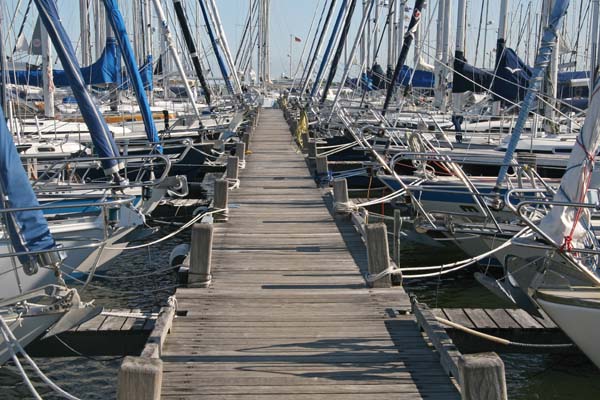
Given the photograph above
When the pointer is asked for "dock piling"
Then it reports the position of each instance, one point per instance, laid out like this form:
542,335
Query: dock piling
201,255
378,254
140,378
221,193
233,163
240,151
312,149
322,167
246,139
340,195
482,377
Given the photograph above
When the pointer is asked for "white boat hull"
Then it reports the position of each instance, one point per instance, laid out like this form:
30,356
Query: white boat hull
581,324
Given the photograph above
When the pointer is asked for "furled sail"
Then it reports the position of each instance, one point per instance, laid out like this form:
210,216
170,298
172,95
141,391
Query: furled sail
106,70
468,78
28,229
118,25
568,226
512,75
102,138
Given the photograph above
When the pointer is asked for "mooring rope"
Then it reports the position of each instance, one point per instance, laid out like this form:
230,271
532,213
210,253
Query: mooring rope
500,340
12,343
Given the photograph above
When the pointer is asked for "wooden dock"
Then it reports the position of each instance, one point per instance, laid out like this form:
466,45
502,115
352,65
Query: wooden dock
288,314
115,332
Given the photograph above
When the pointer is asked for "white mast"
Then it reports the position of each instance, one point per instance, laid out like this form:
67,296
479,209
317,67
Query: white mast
390,37
168,38
594,44
85,32
363,41
147,14
400,28
99,29
439,56
47,75
551,91
359,35
502,26
457,98
213,12
375,31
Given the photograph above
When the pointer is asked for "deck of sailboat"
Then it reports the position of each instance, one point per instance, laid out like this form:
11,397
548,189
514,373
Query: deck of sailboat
288,314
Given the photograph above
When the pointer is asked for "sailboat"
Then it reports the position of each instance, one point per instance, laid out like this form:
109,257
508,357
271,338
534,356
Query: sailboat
554,263
28,245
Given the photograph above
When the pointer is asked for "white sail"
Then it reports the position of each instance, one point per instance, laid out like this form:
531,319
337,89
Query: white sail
568,226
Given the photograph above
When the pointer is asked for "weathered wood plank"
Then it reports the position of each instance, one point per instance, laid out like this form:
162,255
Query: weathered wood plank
288,314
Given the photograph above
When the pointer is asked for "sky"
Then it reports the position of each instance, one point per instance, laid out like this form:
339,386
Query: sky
294,17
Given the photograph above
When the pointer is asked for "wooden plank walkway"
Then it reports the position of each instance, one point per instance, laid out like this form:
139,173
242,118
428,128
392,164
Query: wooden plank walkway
288,314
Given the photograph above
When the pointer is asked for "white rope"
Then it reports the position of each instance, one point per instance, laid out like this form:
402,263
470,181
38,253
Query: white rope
11,350
7,333
455,266
391,270
497,339
233,184
130,315
170,235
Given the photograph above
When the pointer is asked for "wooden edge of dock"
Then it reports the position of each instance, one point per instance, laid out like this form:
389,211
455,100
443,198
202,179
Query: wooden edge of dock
479,375
141,377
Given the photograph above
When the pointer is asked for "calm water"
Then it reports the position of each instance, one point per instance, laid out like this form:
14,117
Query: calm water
558,377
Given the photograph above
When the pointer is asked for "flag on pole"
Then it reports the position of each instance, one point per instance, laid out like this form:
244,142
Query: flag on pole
297,39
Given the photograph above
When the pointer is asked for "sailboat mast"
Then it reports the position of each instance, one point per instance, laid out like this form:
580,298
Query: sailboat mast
392,6
594,45
189,41
551,85
408,39
338,52
500,45
439,55
330,44
213,12
319,47
3,68
47,75
168,38
359,35
84,27
99,29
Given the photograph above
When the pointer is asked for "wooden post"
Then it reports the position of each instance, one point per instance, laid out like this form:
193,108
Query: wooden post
322,167
378,253
221,194
304,141
312,149
140,378
482,377
397,224
246,139
340,196
233,164
200,255
240,151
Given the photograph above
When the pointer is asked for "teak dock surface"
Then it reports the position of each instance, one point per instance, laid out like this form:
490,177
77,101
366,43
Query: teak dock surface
288,314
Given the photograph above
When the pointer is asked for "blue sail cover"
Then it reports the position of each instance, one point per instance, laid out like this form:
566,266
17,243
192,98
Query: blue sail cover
467,78
118,25
106,70
28,229
421,79
103,141
512,76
